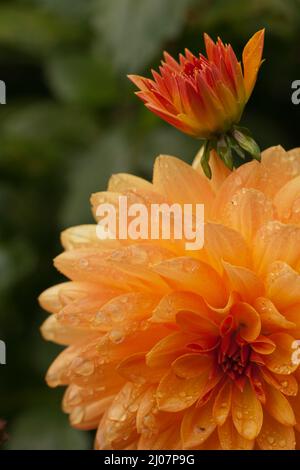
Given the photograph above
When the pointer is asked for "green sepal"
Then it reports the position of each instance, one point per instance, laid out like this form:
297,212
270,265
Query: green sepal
205,159
246,142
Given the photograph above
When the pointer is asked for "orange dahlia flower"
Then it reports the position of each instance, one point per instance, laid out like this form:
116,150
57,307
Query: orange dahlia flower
205,96
176,349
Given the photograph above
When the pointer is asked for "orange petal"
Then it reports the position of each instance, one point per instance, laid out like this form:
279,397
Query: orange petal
275,436
119,420
222,404
53,330
278,406
197,425
252,56
57,297
123,181
168,349
247,211
275,241
88,415
247,412
223,244
197,324
170,173
82,236
230,439
280,361
271,319
191,365
176,394
283,285
287,200
135,369
189,274
247,320
244,281
287,384
263,345
175,302
125,312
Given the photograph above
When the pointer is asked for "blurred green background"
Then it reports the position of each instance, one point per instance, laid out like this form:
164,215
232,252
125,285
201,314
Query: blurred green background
71,120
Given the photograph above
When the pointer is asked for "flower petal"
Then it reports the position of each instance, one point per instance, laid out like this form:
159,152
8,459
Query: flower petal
222,403
176,394
252,56
191,365
189,274
247,321
230,439
280,361
275,436
247,211
278,406
197,425
170,173
283,285
247,412
244,281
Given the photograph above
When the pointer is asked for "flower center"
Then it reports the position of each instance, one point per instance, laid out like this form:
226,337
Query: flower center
233,356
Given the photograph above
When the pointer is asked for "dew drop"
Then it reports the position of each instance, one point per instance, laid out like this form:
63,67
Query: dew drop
85,368
116,336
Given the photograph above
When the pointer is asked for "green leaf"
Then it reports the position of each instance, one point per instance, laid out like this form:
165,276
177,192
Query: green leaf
134,31
80,79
